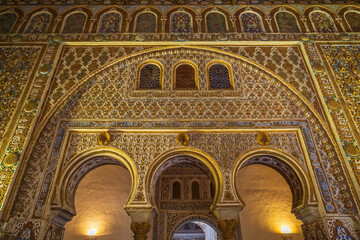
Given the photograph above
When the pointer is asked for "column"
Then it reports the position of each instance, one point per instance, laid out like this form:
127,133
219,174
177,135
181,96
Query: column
140,229
140,224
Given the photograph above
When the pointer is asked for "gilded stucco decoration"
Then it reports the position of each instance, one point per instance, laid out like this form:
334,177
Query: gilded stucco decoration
293,95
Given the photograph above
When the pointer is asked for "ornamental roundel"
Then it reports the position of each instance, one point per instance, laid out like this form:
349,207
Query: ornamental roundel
181,22
75,23
39,23
7,20
150,77
251,22
353,18
146,23
216,23
219,77
287,22
110,23
322,22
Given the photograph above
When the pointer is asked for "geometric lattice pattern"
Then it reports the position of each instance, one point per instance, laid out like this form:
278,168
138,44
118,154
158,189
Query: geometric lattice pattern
251,23
181,22
219,77
185,77
150,77
110,23
146,23
353,18
75,23
287,22
7,20
216,23
322,22
38,23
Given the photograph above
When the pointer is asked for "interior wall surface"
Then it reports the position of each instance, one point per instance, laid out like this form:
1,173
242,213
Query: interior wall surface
99,202
72,100
268,201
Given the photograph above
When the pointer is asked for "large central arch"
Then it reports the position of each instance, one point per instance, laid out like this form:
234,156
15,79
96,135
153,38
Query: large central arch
174,156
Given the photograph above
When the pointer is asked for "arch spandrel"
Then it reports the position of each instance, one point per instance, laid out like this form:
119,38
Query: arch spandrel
66,104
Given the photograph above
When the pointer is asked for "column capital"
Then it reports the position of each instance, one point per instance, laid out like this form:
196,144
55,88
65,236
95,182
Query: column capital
140,229
228,228
307,214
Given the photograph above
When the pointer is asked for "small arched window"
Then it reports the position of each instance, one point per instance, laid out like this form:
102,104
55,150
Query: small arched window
219,77
251,22
7,21
176,190
287,22
110,23
75,23
322,22
146,23
353,18
150,77
39,23
185,77
216,23
195,190
181,22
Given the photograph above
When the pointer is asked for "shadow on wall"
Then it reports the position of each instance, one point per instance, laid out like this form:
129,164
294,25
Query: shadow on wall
268,201
99,202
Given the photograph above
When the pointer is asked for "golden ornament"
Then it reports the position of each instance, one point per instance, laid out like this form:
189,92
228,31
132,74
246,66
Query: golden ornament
318,67
16,38
30,106
333,104
263,139
345,37
99,38
351,149
305,37
45,69
183,139
57,38
104,138
264,36
10,159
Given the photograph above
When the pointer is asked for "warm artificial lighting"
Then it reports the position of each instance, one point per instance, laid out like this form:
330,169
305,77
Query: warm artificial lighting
285,229
92,232
286,233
